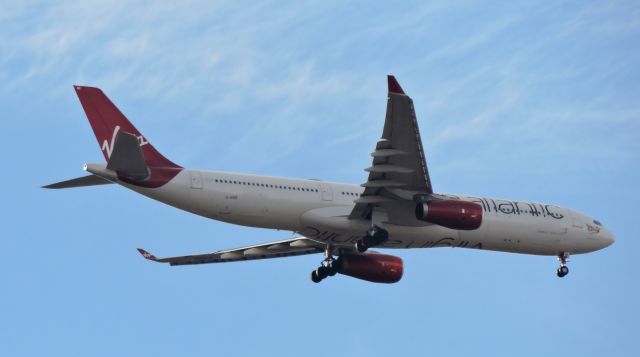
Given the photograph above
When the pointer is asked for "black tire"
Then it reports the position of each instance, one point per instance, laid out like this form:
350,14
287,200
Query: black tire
564,270
361,247
381,236
332,270
314,277
322,272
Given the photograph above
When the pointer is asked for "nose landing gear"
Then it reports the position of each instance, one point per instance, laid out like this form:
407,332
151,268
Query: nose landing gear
563,270
375,236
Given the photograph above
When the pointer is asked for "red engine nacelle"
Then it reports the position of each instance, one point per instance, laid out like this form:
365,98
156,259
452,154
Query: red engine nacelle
451,214
373,267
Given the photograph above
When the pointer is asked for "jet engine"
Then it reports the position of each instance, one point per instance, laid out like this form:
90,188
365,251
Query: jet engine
371,266
452,214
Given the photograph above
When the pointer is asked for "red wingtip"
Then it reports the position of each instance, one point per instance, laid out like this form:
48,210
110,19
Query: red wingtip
394,86
146,254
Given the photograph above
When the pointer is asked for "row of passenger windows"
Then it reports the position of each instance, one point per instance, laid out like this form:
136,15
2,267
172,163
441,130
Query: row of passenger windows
255,184
344,193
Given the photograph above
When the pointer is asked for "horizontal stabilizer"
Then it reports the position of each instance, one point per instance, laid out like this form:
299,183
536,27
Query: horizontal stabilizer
127,158
90,180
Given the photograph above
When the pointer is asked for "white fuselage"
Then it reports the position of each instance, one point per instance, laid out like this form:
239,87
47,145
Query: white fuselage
320,211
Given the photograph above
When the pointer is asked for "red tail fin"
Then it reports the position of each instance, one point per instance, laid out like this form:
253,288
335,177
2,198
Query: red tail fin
106,121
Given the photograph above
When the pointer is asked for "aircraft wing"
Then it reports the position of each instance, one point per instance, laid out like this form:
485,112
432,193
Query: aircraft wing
399,169
284,248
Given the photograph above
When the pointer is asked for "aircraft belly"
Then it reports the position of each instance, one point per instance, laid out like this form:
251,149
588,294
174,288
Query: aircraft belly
332,225
521,235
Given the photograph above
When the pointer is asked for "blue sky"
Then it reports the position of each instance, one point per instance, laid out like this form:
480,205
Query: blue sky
523,100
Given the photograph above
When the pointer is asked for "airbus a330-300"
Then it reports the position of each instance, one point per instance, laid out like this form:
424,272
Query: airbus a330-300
395,208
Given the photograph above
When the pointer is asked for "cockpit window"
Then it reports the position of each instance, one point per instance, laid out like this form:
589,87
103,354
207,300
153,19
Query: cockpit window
597,222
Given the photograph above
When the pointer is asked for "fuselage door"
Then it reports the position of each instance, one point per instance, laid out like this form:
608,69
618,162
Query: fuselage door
327,192
196,179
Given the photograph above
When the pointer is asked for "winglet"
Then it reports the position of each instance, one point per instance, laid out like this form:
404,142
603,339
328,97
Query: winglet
394,86
147,255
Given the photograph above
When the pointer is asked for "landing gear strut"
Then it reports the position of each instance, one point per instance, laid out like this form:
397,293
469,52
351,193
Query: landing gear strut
375,236
328,267
563,270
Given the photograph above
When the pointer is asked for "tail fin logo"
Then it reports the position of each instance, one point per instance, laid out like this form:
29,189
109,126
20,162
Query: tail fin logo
108,146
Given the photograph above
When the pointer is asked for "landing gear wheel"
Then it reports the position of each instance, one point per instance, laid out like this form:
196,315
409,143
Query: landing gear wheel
319,274
329,266
322,272
375,236
332,270
562,271
381,236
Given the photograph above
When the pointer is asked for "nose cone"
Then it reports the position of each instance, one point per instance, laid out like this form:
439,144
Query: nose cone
608,238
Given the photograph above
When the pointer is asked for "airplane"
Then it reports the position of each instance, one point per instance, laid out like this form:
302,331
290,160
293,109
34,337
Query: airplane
395,208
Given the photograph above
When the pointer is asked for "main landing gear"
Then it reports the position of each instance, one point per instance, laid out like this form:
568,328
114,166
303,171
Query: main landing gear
375,236
328,267
563,270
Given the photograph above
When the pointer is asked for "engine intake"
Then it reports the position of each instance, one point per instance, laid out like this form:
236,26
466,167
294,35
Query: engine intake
371,266
452,214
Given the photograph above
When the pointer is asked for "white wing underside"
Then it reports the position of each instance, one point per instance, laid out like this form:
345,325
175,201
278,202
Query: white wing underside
283,248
